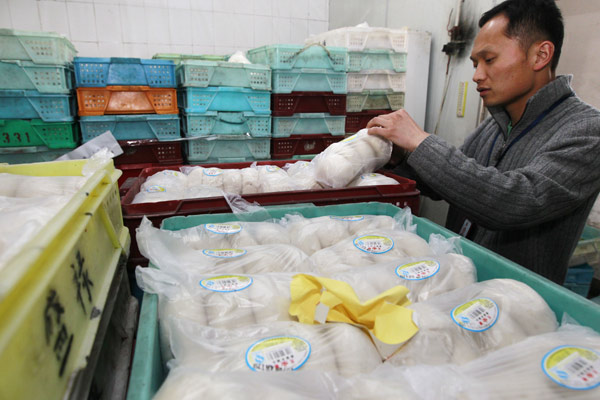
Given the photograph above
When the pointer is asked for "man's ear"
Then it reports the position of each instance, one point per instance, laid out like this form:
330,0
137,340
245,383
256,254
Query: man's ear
544,51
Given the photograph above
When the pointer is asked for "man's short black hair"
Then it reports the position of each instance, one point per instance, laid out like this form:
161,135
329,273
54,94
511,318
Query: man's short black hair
530,21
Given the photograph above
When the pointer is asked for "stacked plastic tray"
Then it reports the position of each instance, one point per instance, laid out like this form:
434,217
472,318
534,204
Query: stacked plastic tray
135,99
376,70
309,97
36,101
225,109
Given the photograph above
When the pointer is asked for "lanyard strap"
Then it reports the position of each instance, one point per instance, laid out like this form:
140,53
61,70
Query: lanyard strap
526,130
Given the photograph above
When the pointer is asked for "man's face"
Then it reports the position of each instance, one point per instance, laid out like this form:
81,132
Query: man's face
503,70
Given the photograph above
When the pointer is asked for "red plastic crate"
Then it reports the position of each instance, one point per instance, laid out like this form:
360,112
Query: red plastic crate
301,145
357,121
149,151
405,194
286,105
132,171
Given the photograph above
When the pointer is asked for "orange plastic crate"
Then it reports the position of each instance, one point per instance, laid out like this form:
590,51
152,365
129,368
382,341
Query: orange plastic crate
126,100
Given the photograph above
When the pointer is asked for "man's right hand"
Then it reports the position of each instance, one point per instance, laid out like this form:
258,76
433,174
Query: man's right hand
399,128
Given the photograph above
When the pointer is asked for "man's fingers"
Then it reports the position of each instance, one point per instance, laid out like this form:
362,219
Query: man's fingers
377,130
377,121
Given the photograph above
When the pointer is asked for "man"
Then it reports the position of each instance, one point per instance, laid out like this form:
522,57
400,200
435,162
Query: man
524,182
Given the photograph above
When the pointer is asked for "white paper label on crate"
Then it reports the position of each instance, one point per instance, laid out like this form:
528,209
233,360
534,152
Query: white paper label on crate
224,253
272,168
573,367
279,353
349,139
350,218
476,315
155,189
374,244
224,229
212,171
418,270
168,172
226,283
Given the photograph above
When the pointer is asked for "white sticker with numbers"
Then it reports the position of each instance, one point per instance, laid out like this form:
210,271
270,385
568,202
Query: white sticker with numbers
573,367
224,253
374,244
212,171
351,218
155,189
224,229
280,353
226,283
476,315
418,270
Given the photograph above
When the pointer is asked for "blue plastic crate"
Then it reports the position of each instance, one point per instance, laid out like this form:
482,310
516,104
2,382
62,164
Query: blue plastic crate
580,274
290,56
194,73
201,100
228,149
376,60
309,80
309,123
31,104
100,72
226,123
25,75
579,288
131,127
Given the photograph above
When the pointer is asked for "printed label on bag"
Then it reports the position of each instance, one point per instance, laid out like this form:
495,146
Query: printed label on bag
280,353
212,171
374,244
168,172
349,139
350,218
272,168
365,176
476,315
573,367
418,270
224,253
224,229
155,189
226,283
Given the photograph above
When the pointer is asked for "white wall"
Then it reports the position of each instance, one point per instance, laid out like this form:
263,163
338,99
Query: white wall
141,28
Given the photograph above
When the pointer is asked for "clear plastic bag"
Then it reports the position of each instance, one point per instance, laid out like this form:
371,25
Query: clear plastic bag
274,179
373,179
26,186
303,175
162,186
333,347
459,326
340,163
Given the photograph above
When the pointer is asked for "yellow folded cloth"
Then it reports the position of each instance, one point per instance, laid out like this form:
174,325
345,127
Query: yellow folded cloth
323,299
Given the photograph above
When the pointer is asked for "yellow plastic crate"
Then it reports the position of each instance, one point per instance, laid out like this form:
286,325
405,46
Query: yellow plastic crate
52,293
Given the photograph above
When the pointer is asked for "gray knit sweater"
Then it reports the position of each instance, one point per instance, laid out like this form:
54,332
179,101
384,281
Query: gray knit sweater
531,204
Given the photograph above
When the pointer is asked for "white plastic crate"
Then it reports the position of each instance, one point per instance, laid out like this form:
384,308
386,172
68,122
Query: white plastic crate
376,80
360,38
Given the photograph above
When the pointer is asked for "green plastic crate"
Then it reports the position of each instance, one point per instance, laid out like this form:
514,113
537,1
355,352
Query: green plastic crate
226,123
53,135
147,371
376,60
26,75
309,80
374,100
39,47
291,56
228,149
194,73
309,123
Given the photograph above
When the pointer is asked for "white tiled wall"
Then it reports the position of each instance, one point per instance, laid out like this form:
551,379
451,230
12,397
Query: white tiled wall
141,28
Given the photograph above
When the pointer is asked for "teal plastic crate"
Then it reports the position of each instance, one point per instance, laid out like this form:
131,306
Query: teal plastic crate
309,123
376,60
147,371
178,57
290,56
226,123
194,73
374,100
587,250
53,135
309,80
26,75
579,279
117,71
201,100
131,127
228,149
30,154
39,47
31,104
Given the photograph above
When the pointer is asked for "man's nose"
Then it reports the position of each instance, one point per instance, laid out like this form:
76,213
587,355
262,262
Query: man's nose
479,74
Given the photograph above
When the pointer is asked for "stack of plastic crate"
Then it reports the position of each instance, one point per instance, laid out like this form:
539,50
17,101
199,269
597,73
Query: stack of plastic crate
135,99
36,101
309,97
376,70
225,109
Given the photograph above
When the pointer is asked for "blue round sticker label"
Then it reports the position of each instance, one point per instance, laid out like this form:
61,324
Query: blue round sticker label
476,315
226,283
224,253
279,353
374,244
224,229
573,367
418,270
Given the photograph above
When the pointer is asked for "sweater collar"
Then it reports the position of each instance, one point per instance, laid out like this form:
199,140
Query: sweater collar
537,104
